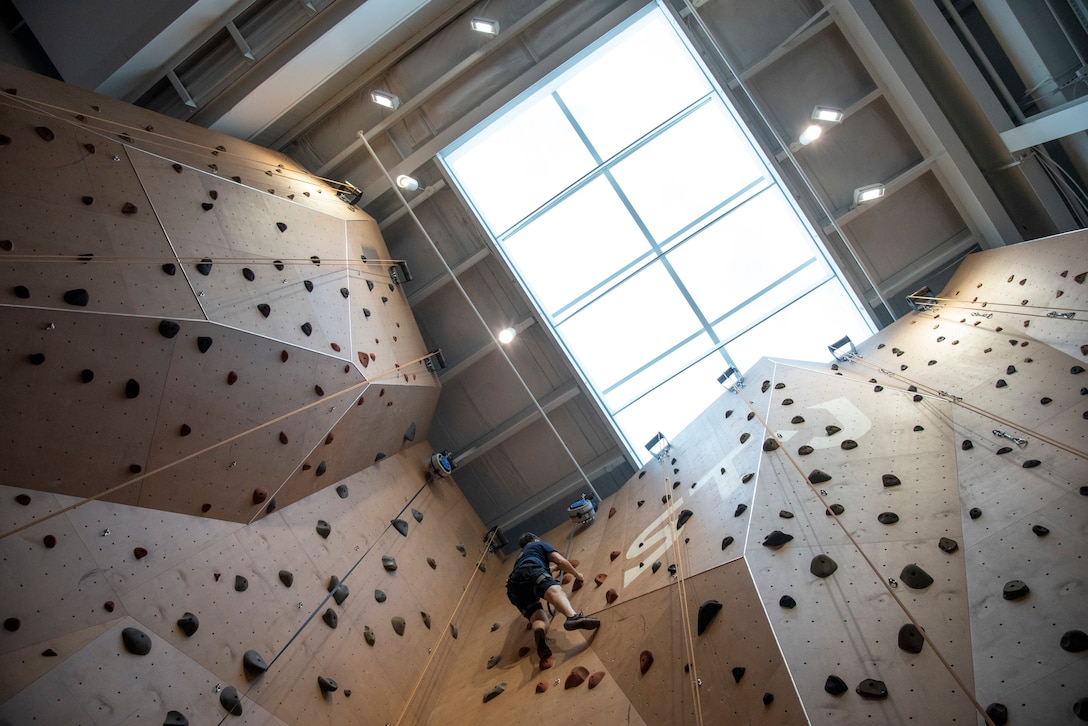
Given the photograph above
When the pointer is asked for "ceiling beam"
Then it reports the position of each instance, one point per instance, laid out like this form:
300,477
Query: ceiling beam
425,291
517,422
560,490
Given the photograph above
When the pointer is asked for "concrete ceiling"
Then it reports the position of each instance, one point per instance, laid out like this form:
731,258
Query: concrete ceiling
528,436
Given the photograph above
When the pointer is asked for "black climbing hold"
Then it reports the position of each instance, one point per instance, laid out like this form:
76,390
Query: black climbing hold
342,491
86,375
741,509
398,625
915,577
738,673
21,292
683,518
271,506
948,545
1040,531
340,593
241,584
281,226
797,420
253,664
770,444
493,661
787,602
871,688
917,398
1000,383
170,268
776,539
835,685
672,569
366,313
998,713
368,635
1003,450
384,299
230,700
379,595
344,292
726,541
330,618
975,513
36,358
327,685
848,445
175,718
204,267
324,528
1010,370
136,641
401,526
765,387
785,514
308,285
188,624
248,274
45,133
321,469
911,639
168,328
207,206
1076,369
787,401
426,619
389,563
1074,641
878,389
746,478
264,309
966,445
203,343
745,436
1031,463
822,566
431,562
887,517
641,502
132,388
729,413
890,480
1045,400
707,611
417,515
495,691
278,264
834,509
78,297
832,429
317,260
287,578
919,427
307,328
369,285
818,477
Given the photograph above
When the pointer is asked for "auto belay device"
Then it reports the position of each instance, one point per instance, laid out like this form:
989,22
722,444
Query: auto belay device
442,464
583,510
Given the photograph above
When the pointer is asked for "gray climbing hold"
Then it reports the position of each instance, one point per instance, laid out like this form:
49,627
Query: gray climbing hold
230,700
890,480
136,641
818,477
344,292
188,624
330,617
175,718
1031,463
741,509
707,611
253,664
966,445
432,563
975,513
381,454
495,691
308,285
401,526
368,635
379,595
915,577
1004,450
417,515
493,661
832,429
738,673
726,541
998,713
1074,641
911,639
324,528
203,343
746,478
241,584
683,518
78,297
327,685
805,450
321,469
655,567
389,563
776,539
787,401
168,328
834,509
822,566
398,625
132,388
1040,531
871,688
948,545
785,514
204,267
887,517
835,685
770,444
287,578
1000,383
1015,589
426,619
306,328
787,602
453,631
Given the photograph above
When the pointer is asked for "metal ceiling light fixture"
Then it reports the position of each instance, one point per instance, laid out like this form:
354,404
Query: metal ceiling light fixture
828,114
809,135
868,193
384,98
485,26
407,183
506,335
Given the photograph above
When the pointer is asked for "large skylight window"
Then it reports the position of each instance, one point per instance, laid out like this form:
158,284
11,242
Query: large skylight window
649,229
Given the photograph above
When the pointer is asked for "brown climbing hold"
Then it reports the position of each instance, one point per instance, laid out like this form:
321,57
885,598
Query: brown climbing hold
135,468
140,553
600,578
185,430
205,507
611,596
335,347
232,378
524,651
596,678
576,677
645,660
260,494
23,499
613,555
611,512
283,437
109,606
541,687
319,390
12,624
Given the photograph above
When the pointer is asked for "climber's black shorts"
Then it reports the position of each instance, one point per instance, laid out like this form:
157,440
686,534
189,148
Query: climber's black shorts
525,587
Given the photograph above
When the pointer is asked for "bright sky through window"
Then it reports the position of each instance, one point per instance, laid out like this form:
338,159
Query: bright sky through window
649,229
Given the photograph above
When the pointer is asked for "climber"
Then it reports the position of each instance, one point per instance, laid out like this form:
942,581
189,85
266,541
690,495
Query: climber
532,580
